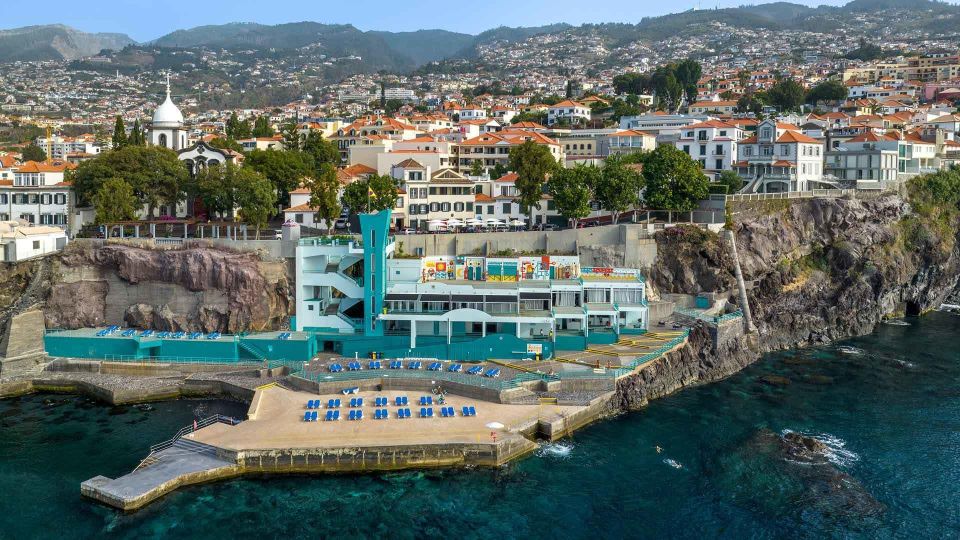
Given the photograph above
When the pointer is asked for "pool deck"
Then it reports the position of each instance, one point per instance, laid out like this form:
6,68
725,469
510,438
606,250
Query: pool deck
276,439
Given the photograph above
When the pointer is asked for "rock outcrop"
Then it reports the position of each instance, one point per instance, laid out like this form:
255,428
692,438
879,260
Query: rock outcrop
197,288
818,270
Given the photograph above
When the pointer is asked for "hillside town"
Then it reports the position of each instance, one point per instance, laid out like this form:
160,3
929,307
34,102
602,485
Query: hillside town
450,145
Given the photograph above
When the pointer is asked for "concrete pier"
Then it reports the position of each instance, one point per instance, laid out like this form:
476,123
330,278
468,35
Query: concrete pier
276,440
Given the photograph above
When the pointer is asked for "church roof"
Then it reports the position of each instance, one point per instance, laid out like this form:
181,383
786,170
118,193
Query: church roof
167,114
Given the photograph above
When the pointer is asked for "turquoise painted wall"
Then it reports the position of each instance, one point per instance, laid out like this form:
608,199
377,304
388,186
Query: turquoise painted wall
375,230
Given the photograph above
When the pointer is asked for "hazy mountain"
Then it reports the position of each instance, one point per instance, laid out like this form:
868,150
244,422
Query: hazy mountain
424,46
55,42
402,49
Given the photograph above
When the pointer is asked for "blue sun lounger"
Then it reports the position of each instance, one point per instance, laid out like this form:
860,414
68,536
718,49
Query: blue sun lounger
333,403
495,372
306,416
381,414
435,366
329,416
396,364
354,366
146,333
414,365
313,416
374,364
475,370
356,402
400,400
335,368
380,401
356,415
455,368
426,400
333,415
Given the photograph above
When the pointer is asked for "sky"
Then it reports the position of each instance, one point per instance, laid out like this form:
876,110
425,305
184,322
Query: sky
144,20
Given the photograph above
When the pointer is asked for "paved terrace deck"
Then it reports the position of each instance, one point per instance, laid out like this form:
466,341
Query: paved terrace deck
275,439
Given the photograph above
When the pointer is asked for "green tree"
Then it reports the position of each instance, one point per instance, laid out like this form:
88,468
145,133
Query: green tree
667,88
476,168
262,127
673,180
285,170
324,195
119,134
137,136
617,187
237,129
371,194
291,136
155,173
32,152
255,197
786,95
731,181
570,189
320,150
688,73
221,187
832,90
115,201
533,163
498,170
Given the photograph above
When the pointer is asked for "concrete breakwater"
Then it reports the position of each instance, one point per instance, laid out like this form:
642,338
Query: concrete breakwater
125,383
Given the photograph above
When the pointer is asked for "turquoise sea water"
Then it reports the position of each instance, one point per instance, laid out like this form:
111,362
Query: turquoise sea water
888,406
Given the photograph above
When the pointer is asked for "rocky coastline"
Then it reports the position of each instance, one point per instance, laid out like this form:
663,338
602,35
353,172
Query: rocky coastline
818,270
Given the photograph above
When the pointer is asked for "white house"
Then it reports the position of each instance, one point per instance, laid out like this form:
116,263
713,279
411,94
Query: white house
713,143
779,159
19,241
570,111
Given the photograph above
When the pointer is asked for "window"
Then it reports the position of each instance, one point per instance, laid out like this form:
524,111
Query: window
686,149
723,133
434,207
36,244
506,208
298,218
703,149
765,133
458,207
719,151
719,164
3,198
490,209
445,207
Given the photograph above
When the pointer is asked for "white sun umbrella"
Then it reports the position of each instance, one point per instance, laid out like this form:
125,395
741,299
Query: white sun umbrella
474,222
495,425
454,222
494,221
518,223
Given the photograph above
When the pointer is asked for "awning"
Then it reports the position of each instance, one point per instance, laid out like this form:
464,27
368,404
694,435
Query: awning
434,297
500,298
467,298
534,296
400,297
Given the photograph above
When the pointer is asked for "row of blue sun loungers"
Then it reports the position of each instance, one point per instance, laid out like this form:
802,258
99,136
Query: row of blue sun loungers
414,364
284,335
426,411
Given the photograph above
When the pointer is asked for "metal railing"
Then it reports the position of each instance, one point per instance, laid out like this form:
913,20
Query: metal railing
713,319
463,378
186,430
811,194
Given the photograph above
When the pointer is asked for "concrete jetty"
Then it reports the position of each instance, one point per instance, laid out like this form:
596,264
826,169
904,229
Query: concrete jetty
276,440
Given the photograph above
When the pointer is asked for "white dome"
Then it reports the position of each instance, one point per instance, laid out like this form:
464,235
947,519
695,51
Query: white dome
167,114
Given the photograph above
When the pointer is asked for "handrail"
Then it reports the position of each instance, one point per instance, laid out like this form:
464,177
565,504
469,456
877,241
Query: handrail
199,424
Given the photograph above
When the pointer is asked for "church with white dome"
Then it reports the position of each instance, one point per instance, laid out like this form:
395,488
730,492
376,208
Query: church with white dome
167,129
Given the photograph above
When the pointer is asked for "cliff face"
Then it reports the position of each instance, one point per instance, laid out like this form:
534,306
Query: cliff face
193,289
817,270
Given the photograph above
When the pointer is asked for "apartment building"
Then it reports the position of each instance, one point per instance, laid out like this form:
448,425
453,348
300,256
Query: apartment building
713,143
491,149
869,161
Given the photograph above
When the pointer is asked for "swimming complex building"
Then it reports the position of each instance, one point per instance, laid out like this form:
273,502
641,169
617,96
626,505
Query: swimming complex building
355,297
364,295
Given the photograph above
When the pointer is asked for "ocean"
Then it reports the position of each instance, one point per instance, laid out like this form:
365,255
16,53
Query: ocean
702,463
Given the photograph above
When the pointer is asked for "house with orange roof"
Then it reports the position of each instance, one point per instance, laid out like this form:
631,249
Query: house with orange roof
777,159
568,112
39,194
707,107
628,141
712,143
366,129
491,149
